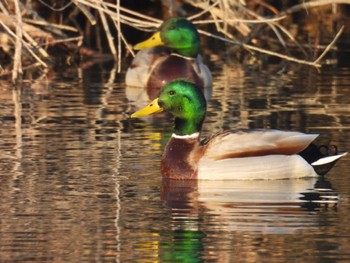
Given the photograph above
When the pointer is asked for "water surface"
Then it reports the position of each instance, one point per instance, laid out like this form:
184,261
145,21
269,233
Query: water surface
80,181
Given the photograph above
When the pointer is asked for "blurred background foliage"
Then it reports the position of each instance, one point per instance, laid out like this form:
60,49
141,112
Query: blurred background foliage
38,34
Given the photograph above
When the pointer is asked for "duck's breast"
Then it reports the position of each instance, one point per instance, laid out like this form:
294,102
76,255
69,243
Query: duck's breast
176,67
179,160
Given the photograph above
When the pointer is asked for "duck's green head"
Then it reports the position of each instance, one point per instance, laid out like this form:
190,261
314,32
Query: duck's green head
176,33
185,101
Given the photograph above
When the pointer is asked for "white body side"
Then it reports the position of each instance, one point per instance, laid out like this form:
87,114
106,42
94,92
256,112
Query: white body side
138,74
270,167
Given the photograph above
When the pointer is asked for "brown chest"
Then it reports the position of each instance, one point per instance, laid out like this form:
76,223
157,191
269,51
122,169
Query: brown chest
173,67
178,160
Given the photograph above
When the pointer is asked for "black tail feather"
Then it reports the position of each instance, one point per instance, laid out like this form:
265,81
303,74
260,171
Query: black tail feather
313,153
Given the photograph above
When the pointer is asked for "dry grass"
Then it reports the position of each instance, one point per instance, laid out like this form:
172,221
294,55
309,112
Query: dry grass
25,36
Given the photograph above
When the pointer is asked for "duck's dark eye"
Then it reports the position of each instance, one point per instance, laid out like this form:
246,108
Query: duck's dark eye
172,27
171,93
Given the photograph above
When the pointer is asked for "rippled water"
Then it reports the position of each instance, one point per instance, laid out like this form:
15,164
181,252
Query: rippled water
80,182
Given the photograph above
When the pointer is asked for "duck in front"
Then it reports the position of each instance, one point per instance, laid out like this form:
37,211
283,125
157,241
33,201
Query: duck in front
226,155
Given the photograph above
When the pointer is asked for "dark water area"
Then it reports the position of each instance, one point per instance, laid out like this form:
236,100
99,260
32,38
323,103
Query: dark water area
80,181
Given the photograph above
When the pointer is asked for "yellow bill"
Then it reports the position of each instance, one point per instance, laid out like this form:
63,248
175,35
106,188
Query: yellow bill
151,108
153,41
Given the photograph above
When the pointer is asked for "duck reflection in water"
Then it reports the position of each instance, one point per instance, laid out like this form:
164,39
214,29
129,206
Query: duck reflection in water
249,205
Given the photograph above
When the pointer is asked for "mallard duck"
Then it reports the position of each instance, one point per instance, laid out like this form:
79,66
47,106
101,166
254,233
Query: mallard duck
257,154
170,53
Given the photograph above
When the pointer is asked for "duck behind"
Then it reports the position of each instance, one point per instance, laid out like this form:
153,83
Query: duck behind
170,53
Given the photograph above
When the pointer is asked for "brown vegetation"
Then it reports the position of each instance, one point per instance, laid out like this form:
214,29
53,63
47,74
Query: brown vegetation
38,34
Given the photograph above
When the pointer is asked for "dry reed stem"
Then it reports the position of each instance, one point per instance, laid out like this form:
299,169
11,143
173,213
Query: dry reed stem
290,36
225,14
140,23
47,24
239,20
261,50
35,44
17,69
9,31
205,10
120,36
225,11
85,11
136,22
33,13
315,3
109,36
274,26
71,39
24,68
3,9
330,45
17,64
